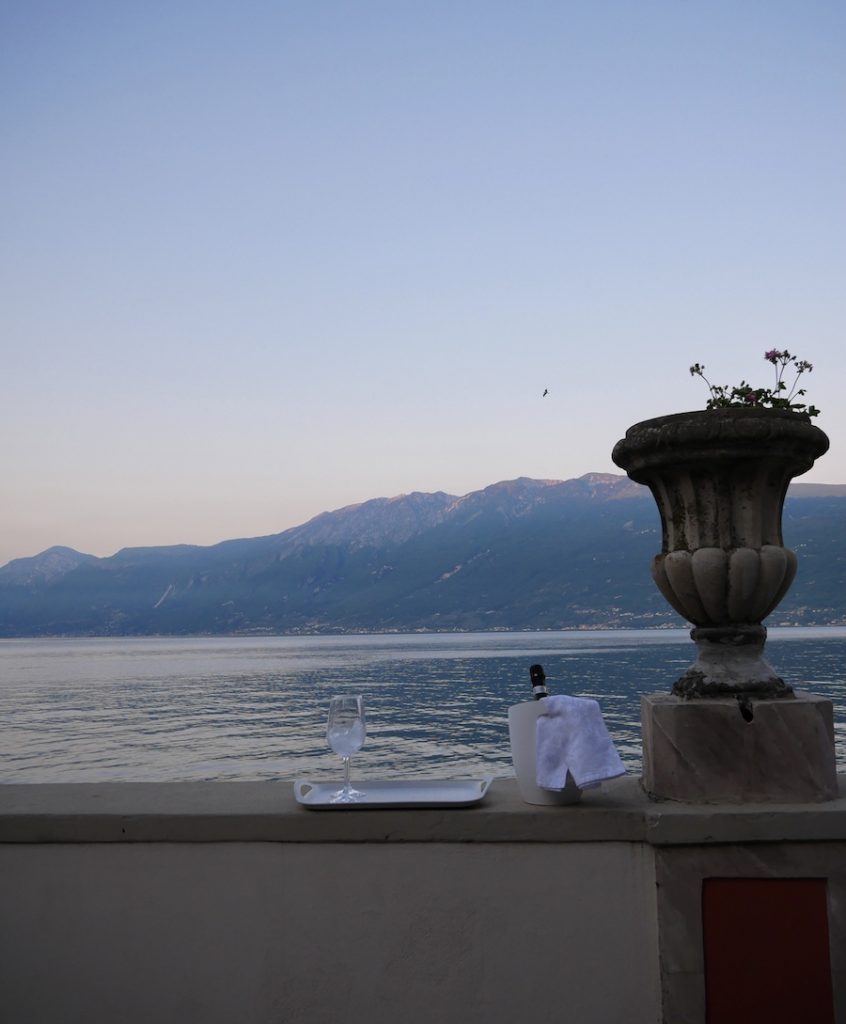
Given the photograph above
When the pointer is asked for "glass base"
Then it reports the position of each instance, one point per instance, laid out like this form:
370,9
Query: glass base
346,795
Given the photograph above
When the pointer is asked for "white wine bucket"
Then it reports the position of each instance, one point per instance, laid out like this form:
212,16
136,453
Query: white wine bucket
522,719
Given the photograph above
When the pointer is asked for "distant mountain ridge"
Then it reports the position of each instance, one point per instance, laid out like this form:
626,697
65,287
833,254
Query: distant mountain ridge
53,562
520,554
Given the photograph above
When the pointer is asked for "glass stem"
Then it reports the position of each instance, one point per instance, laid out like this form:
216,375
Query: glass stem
346,775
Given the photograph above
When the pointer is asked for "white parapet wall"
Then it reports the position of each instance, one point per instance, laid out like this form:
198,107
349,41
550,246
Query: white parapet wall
230,903
257,932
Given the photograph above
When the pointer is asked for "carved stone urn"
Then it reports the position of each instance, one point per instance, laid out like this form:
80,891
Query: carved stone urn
719,478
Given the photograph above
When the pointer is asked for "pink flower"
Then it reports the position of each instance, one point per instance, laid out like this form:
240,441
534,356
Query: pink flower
772,356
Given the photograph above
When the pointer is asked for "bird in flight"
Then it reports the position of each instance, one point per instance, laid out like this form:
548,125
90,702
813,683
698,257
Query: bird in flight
545,392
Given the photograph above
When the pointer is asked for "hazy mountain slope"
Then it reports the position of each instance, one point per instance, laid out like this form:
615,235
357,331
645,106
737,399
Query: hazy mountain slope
519,554
50,564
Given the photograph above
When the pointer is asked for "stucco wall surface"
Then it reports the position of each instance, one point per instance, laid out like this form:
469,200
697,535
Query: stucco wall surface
361,932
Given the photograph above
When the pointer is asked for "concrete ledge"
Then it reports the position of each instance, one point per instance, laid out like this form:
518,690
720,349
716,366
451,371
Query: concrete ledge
213,812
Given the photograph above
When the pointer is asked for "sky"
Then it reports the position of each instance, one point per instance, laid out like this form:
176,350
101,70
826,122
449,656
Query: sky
264,259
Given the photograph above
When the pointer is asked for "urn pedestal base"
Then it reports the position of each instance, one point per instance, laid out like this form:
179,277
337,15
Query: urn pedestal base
721,750
730,662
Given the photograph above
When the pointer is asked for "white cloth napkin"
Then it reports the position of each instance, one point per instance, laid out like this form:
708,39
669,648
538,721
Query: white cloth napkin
572,736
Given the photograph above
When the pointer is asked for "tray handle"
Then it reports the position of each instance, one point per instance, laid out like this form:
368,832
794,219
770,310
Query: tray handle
302,788
484,785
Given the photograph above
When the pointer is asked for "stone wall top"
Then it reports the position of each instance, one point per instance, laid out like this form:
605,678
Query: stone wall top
213,812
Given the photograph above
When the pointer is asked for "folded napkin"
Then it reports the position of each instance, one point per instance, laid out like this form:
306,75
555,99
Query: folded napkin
572,736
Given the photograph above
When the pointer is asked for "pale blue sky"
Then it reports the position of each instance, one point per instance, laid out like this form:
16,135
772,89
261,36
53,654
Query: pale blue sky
265,259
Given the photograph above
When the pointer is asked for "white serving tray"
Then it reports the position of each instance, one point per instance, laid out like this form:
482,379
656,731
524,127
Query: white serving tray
412,793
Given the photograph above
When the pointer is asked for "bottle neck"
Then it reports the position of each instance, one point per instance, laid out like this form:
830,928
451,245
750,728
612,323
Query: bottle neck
538,678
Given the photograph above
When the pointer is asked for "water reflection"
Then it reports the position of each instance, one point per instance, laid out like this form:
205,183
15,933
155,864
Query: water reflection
223,708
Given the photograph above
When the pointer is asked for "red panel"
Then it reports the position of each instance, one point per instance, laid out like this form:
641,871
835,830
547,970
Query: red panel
767,957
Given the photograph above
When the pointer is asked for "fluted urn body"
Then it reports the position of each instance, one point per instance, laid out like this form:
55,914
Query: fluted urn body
719,478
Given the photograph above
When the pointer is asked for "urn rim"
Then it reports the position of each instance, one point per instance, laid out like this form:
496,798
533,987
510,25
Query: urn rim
733,430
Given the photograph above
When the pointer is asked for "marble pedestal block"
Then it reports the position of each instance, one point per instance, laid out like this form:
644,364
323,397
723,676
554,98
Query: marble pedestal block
708,751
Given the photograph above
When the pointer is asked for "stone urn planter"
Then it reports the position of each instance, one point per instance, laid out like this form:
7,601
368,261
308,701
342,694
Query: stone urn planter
719,478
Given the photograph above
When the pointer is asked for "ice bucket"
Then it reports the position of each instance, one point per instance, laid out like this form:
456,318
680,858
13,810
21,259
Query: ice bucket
522,732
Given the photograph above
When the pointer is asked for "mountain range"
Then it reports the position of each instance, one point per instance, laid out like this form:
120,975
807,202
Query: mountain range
521,554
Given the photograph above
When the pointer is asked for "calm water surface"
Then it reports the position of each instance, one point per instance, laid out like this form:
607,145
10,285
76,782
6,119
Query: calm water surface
247,708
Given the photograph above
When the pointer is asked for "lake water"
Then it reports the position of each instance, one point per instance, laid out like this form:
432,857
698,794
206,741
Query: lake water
155,709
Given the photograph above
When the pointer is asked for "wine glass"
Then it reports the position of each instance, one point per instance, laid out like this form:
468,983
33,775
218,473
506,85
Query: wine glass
345,729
